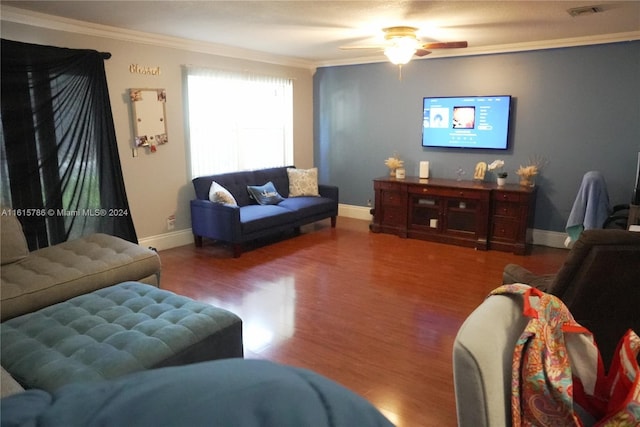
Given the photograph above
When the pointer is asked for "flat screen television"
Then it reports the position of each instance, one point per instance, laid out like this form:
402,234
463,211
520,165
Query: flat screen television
466,122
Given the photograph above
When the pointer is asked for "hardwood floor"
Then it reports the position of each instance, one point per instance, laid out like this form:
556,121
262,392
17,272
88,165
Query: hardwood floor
373,312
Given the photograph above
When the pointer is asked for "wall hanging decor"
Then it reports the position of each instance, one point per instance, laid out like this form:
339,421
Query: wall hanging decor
149,118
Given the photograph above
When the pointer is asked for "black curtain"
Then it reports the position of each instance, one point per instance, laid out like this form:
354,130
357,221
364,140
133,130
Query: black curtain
61,171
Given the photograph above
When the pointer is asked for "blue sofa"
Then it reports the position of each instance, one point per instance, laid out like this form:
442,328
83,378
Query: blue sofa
249,220
224,393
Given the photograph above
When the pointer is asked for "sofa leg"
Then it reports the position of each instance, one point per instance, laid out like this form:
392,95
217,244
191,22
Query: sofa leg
237,250
197,240
333,222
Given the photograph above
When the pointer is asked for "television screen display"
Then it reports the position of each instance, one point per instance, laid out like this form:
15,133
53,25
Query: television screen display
466,122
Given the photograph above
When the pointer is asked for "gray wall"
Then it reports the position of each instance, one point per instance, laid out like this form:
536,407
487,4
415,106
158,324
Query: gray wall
577,107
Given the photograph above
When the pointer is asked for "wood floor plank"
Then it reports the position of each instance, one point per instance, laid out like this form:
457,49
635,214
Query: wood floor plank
373,312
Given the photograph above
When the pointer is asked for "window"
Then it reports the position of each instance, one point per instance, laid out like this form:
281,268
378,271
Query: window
238,121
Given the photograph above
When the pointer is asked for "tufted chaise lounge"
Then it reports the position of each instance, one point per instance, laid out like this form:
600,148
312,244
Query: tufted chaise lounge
113,331
30,280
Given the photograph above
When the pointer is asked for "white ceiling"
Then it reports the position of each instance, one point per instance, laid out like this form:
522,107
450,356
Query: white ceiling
313,31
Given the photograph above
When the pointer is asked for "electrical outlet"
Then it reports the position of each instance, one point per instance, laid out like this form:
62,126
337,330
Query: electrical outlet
171,222
369,202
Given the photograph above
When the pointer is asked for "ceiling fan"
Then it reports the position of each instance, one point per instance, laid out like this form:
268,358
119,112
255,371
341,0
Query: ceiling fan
402,43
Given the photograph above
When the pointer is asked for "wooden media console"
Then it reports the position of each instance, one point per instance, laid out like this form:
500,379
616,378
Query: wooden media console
467,213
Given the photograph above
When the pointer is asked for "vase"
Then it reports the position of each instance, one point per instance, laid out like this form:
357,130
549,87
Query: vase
527,181
392,173
502,182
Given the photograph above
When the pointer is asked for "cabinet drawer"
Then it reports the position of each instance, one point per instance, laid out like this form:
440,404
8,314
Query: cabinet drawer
419,189
504,229
388,186
507,197
460,193
391,198
393,216
506,209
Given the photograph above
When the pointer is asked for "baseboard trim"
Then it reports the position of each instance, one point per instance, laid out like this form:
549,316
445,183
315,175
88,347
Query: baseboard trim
552,239
168,240
356,212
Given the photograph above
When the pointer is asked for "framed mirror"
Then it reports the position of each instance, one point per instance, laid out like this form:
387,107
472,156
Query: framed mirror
149,117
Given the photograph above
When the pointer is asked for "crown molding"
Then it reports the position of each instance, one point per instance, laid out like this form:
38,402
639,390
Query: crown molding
504,48
36,19
51,22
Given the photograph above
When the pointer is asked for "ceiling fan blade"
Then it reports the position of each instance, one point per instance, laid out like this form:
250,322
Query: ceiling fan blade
444,45
422,52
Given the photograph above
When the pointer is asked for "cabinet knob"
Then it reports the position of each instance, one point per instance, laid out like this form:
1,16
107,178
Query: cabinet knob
425,190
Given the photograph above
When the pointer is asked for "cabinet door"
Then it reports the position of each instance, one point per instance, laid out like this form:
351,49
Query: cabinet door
425,213
461,216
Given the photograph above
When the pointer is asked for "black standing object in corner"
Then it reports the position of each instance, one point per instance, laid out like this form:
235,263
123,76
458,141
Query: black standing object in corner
635,200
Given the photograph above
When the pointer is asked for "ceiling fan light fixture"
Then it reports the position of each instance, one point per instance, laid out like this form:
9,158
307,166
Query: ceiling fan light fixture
401,50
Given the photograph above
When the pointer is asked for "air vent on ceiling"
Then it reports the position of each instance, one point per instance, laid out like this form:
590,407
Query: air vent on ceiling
584,10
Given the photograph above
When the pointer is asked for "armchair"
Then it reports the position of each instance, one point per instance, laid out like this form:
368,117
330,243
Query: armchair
599,282
482,358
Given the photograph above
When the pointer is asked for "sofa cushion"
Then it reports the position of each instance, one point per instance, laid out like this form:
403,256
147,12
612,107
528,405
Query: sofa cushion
57,273
303,182
265,194
236,183
308,206
219,194
260,217
110,332
14,245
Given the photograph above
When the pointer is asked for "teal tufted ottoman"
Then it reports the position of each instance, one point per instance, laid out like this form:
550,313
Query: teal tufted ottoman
114,331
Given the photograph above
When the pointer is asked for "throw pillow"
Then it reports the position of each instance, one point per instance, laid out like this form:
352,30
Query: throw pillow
14,245
303,182
265,194
219,194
